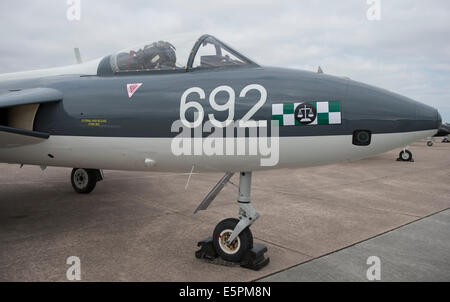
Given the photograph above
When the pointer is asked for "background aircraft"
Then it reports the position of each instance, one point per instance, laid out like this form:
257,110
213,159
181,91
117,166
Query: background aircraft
444,131
147,109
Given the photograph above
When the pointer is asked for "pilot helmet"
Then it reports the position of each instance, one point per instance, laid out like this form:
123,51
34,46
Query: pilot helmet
159,54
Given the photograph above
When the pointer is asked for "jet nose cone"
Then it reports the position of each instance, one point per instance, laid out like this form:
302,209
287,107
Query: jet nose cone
439,119
428,117
381,111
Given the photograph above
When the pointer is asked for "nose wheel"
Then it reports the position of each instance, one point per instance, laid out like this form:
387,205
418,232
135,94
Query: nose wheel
405,155
232,240
235,250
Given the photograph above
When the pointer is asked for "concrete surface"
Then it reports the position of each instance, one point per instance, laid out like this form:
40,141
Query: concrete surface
141,226
419,251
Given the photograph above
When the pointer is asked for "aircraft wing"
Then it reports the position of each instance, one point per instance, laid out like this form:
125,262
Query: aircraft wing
29,96
17,112
12,137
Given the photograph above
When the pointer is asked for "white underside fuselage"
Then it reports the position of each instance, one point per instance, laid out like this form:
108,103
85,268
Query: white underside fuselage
156,154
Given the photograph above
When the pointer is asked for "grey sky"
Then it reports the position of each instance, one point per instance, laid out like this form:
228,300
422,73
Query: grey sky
408,51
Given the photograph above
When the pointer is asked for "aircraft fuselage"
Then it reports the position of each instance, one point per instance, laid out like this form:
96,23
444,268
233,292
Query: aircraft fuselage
97,125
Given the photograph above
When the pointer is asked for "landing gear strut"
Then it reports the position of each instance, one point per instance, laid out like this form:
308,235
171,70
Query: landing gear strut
232,239
84,180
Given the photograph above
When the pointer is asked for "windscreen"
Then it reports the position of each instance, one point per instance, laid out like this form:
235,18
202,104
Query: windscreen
213,53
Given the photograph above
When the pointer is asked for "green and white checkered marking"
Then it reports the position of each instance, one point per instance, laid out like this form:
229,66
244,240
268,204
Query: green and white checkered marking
328,113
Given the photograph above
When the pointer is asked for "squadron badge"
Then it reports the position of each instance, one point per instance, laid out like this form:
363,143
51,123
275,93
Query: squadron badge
307,114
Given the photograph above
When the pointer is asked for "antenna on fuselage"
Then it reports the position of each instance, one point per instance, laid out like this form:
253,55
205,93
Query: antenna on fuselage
78,55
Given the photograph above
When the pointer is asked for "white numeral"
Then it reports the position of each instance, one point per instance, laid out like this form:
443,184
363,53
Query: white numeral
196,105
245,121
228,106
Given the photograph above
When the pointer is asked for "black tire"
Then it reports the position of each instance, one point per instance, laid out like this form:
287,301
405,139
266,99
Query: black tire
242,244
83,180
430,144
405,155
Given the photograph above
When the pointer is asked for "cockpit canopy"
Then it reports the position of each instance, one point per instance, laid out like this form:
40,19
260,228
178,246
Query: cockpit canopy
207,52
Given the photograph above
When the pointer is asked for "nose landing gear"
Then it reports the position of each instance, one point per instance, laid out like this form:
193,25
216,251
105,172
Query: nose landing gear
232,240
405,155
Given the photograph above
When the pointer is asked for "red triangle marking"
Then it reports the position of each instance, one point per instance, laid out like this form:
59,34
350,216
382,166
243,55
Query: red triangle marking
132,88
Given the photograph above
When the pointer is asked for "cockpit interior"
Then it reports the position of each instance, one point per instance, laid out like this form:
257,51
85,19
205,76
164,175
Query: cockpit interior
207,52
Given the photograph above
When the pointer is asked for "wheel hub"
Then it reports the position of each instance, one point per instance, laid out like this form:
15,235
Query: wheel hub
229,248
80,178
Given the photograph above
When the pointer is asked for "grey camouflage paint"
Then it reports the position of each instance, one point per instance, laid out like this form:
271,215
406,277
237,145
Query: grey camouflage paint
155,106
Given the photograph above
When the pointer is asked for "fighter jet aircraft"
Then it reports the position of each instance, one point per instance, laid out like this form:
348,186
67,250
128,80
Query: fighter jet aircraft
148,109
444,132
